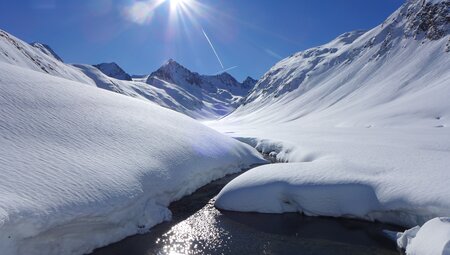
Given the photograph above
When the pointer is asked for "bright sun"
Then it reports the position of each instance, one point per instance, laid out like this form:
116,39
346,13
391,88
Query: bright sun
179,3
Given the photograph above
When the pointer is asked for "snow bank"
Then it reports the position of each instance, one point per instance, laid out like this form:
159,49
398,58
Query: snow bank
334,187
433,238
301,187
82,167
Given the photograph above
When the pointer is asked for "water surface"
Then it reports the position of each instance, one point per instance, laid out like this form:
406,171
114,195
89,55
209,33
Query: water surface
199,228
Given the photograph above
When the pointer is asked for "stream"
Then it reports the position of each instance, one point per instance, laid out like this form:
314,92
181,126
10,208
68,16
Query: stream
198,227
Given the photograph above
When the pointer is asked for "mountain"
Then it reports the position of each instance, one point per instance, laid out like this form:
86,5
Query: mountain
364,78
249,83
113,70
209,96
175,73
171,86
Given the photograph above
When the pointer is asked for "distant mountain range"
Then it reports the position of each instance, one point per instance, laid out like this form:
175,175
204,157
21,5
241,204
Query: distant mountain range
344,81
172,86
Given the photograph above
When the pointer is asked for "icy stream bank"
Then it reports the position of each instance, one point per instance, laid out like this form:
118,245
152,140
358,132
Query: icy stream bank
197,227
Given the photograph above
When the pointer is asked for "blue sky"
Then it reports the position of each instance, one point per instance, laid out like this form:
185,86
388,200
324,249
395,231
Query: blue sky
250,34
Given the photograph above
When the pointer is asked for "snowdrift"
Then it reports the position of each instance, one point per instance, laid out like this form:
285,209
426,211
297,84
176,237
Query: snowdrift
83,167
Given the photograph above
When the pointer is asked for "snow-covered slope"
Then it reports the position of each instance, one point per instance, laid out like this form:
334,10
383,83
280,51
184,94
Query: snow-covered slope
82,167
362,121
113,70
36,57
46,50
364,78
210,96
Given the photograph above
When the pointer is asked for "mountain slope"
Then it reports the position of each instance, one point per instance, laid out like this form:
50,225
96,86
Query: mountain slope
359,78
362,124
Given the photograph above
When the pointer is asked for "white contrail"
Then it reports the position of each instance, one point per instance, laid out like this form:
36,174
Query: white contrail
212,47
226,70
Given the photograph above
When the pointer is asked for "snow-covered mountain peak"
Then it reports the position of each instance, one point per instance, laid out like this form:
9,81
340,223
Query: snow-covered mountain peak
213,95
46,50
228,79
113,70
173,65
174,72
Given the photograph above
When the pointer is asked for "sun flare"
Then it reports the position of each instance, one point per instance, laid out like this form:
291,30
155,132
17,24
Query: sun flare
176,4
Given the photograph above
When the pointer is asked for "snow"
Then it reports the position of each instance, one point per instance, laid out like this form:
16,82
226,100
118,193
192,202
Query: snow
83,167
204,96
38,57
404,238
430,239
165,94
361,124
303,187
400,175
46,50
172,86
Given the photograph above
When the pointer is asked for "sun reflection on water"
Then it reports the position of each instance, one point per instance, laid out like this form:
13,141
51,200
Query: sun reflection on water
194,236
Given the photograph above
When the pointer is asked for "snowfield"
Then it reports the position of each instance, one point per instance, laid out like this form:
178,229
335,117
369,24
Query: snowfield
363,124
83,167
